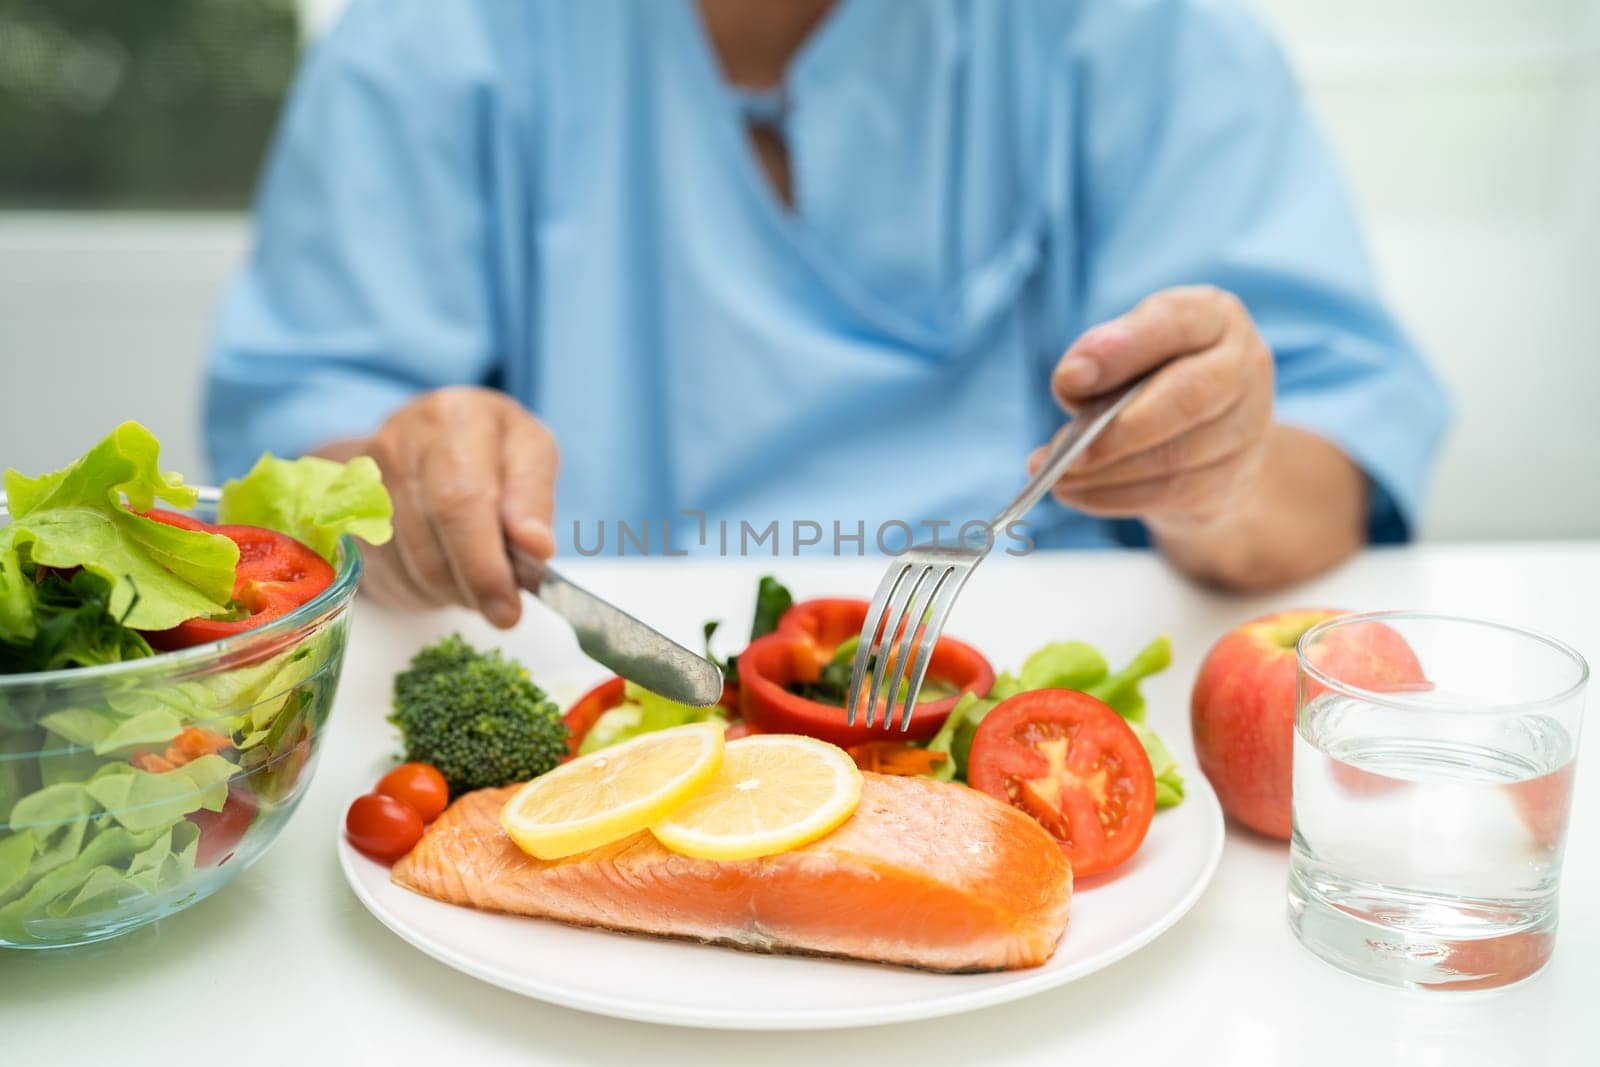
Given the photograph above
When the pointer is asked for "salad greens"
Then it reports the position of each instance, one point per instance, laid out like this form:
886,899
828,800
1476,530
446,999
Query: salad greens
643,712
84,516
314,500
69,623
1068,665
105,783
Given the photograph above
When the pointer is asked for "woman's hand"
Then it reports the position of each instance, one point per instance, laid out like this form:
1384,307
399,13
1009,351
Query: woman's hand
469,470
1230,496
1185,451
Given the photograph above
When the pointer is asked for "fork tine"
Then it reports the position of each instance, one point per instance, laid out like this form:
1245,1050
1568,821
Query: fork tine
891,629
944,598
927,589
869,636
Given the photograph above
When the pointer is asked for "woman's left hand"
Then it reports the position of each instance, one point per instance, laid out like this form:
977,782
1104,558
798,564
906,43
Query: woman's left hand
1186,452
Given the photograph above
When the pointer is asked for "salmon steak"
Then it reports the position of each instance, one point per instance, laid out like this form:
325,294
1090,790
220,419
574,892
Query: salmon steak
924,874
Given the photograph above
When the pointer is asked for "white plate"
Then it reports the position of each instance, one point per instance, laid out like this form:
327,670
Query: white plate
686,984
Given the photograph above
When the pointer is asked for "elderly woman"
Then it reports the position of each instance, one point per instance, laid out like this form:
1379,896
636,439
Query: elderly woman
840,262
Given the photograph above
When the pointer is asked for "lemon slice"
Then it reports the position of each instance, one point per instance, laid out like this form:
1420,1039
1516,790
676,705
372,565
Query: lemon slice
774,792
611,794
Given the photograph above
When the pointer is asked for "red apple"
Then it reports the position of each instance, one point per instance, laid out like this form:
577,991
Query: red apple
1544,804
1242,709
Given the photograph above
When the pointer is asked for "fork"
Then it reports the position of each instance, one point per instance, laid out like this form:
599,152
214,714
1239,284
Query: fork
923,583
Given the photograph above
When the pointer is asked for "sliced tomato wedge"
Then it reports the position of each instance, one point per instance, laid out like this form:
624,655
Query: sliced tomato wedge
221,831
175,518
276,574
1069,761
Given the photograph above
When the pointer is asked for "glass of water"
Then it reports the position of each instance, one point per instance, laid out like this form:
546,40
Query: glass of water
1433,770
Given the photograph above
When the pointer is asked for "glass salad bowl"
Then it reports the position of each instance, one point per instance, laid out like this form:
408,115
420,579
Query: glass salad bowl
131,790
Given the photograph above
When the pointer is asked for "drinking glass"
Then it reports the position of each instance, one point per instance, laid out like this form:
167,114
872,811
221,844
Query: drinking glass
1433,769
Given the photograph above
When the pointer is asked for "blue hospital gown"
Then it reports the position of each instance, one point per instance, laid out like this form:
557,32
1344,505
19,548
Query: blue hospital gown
559,199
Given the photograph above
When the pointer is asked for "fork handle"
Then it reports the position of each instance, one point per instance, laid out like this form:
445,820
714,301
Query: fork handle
1080,433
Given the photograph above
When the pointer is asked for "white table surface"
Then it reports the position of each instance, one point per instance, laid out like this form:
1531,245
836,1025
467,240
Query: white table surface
285,967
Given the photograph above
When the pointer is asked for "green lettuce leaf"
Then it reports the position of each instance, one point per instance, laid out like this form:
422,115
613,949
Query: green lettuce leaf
143,801
643,712
112,846
80,516
314,500
944,741
1121,690
17,623
71,625
1064,665
1169,783
16,853
19,768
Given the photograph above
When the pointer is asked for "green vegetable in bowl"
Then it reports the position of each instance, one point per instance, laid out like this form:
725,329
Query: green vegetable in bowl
69,624
84,516
115,785
476,716
315,501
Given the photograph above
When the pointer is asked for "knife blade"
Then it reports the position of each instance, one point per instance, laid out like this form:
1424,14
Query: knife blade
613,638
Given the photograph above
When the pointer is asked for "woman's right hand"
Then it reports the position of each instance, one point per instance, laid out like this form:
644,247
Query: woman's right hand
469,470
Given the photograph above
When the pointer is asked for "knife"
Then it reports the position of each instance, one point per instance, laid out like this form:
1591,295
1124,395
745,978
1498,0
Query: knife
615,639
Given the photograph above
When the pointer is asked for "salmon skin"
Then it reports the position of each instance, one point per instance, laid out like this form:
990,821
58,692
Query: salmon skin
924,874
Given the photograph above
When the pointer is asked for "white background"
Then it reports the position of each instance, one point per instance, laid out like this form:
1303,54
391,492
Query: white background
1470,131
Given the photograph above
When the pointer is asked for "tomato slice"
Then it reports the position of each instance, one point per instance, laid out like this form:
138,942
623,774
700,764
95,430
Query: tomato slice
221,831
276,574
175,518
1069,761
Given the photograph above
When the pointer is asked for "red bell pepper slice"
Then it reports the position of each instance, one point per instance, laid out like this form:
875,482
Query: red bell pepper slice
805,641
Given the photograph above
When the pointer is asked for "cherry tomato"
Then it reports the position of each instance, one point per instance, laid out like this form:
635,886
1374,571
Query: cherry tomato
221,831
276,574
418,785
382,827
1069,761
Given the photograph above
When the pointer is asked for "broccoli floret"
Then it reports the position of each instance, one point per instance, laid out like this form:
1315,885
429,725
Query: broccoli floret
476,716
437,658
